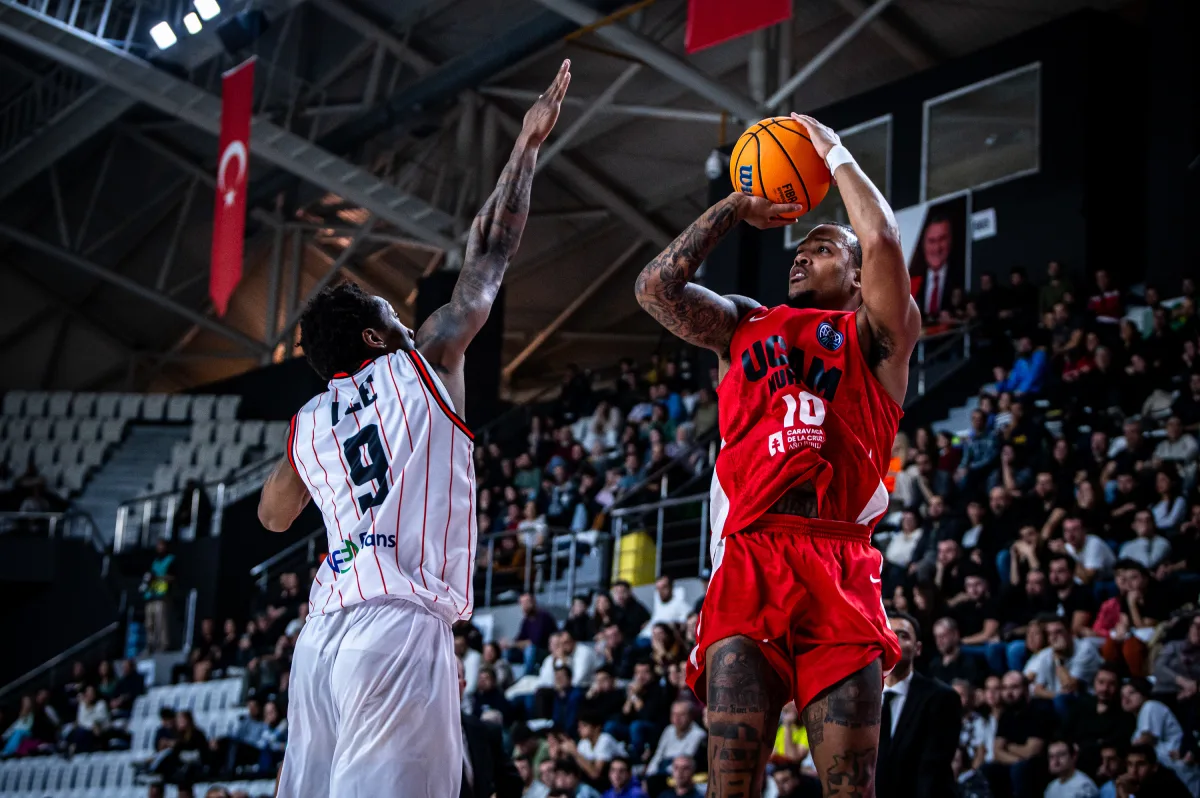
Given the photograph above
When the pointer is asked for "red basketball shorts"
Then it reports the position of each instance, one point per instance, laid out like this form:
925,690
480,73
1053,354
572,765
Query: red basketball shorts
808,592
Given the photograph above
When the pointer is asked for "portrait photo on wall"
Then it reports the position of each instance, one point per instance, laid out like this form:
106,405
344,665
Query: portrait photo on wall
939,265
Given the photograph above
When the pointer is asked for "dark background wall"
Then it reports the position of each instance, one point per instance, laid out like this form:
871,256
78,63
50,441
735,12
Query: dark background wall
1117,131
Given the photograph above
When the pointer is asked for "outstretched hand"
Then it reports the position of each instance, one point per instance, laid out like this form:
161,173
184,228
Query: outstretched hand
540,119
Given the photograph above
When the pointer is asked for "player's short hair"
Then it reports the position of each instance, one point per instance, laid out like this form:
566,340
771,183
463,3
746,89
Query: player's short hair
331,328
855,245
900,615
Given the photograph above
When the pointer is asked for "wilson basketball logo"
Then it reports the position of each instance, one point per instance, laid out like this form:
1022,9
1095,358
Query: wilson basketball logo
746,179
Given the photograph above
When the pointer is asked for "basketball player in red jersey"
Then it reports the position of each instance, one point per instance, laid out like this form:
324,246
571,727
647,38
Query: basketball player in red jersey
810,398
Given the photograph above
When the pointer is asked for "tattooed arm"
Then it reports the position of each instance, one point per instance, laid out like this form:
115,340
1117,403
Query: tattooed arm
665,289
493,240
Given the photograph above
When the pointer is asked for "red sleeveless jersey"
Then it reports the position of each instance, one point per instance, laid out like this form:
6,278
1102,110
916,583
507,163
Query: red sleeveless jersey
799,404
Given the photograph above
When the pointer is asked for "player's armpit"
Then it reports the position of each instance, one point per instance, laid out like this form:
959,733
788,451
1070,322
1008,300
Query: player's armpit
284,496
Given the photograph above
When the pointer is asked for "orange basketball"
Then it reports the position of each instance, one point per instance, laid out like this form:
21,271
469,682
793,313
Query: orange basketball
775,159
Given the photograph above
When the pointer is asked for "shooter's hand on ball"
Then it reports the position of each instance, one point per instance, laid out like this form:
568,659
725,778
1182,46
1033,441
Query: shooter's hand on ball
762,213
823,138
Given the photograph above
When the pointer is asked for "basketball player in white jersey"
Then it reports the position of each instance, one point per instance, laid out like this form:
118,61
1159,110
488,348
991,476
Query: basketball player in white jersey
386,456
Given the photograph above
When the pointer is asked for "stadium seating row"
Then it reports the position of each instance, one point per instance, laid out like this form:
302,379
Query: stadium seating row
86,430
102,775
214,451
205,697
148,407
64,451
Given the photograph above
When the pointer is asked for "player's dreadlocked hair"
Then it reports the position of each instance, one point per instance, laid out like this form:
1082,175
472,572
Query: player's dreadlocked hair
855,246
331,329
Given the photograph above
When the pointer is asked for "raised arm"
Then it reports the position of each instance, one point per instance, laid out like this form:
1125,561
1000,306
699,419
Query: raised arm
493,240
665,289
889,314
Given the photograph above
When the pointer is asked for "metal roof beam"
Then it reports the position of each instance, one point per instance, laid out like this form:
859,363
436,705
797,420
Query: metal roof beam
829,51
657,58
130,285
914,52
158,89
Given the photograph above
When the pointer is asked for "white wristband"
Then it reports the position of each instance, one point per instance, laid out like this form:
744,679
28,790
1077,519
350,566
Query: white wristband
838,156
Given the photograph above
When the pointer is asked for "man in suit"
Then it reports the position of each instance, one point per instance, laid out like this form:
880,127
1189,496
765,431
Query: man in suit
486,770
919,726
931,288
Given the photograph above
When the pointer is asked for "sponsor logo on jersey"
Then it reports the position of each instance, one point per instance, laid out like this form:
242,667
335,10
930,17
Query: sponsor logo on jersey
775,443
341,559
828,337
770,359
376,539
746,178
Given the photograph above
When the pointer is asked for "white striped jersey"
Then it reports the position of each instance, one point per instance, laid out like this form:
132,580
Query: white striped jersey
390,466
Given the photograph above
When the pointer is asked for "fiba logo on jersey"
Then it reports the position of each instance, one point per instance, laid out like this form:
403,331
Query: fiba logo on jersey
341,559
828,337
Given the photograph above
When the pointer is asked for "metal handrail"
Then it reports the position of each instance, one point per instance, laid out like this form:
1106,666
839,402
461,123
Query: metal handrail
703,441
260,571
59,658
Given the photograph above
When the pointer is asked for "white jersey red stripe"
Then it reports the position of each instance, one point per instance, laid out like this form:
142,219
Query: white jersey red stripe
389,464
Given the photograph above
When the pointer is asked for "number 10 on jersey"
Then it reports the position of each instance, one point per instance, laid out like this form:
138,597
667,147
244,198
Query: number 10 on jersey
804,414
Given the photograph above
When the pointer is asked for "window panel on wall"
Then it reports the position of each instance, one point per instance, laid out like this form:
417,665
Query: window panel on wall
982,134
871,145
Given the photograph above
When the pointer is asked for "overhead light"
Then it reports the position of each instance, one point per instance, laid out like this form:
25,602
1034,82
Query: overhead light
207,8
163,36
192,23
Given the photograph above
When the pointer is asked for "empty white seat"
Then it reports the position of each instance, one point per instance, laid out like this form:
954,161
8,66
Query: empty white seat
164,478
39,429
183,453
82,404
14,403
43,456
63,429
58,403
130,405
93,453
17,429
275,436
250,432
35,403
154,407
112,430
227,407
179,407
88,430
227,433
231,456
203,432
69,453
19,453
206,455
106,405
74,477
203,407
189,474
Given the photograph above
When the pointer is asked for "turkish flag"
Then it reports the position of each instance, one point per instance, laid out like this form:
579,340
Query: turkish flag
233,172
711,22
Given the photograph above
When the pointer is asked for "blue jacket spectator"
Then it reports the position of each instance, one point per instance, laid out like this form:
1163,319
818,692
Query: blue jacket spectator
1028,373
567,699
980,452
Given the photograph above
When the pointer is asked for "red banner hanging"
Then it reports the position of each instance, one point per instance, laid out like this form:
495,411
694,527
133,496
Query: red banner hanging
233,173
711,22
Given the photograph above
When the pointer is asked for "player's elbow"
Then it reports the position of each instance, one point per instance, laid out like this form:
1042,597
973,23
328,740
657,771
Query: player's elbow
271,518
885,238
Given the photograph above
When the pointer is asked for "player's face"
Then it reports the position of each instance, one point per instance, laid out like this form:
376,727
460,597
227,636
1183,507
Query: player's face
822,274
390,334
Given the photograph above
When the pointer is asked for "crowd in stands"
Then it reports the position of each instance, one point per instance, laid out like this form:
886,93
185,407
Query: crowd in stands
589,449
1050,551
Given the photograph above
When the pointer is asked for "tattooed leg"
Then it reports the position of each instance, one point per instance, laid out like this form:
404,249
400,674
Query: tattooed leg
843,733
745,696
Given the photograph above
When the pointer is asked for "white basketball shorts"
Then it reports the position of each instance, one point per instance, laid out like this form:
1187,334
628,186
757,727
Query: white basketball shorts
373,706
